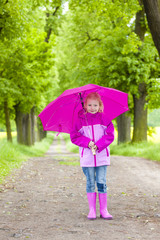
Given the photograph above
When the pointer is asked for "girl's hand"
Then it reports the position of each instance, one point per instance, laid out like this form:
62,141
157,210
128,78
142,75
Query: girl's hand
91,144
94,147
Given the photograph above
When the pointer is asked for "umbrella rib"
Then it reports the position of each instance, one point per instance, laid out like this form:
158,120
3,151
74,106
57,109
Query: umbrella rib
58,109
75,108
114,100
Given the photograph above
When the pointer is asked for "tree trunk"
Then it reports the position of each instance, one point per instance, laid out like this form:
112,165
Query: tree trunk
25,128
19,128
140,112
33,125
152,10
41,133
140,115
19,125
7,120
140,26
37,137
124,128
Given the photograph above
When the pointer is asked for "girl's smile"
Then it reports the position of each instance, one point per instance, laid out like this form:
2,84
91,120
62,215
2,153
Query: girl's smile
92,106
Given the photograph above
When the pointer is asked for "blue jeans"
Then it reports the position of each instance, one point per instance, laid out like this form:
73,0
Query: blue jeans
98,175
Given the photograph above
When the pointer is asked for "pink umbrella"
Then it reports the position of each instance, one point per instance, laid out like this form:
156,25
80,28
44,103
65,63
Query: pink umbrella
60,114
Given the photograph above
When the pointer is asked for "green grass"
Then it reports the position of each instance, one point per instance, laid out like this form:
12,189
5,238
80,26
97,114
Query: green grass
149,150
70,146
12,154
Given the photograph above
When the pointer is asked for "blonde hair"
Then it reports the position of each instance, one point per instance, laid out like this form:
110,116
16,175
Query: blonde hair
95,96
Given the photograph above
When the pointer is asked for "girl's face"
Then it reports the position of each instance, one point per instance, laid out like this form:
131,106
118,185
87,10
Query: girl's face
92,106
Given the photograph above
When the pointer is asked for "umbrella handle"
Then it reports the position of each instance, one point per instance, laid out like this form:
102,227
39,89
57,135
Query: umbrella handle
93,151
81,100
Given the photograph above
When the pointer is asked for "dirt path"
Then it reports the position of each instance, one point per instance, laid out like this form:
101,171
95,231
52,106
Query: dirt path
45,200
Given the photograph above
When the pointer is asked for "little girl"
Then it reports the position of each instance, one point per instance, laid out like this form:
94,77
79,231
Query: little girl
94,133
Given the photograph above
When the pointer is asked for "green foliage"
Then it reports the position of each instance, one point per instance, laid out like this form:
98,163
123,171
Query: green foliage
44,51
154,94
13,16
26,59
97,44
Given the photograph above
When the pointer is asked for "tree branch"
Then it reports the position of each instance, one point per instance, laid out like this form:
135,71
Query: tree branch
56,10
140,27
91,39
50,29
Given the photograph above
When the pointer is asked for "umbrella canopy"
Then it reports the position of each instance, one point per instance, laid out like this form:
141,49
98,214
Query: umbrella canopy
60,114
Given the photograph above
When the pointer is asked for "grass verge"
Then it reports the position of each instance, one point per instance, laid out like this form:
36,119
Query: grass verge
148,150
69,145
13,154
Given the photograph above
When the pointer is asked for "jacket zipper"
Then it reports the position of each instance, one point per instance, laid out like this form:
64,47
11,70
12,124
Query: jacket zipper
93,141
82,152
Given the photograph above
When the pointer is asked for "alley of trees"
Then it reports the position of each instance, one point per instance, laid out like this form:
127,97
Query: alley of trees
48,46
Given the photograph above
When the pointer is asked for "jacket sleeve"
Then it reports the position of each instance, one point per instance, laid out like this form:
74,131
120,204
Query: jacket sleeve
77,137
107,139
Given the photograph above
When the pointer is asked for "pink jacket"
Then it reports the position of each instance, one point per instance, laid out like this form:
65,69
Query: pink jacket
97,128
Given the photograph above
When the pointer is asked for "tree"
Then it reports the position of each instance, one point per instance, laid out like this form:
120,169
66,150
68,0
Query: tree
10,20
98,44
124,128
26,62
36,79
140,111
152,10
53,20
